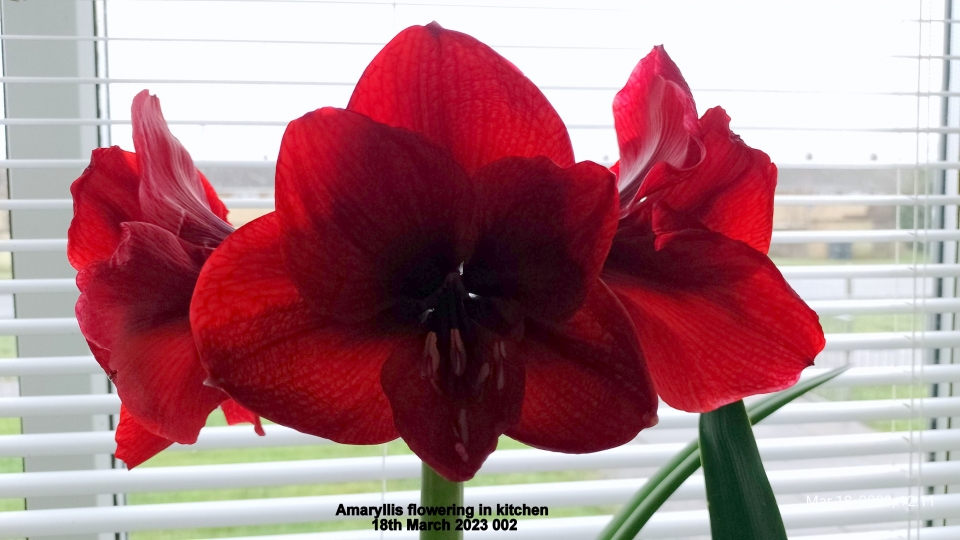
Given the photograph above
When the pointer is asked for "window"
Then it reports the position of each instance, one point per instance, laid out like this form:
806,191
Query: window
858,103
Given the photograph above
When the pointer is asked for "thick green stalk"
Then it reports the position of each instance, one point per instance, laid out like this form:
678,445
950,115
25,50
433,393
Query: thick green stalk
435,492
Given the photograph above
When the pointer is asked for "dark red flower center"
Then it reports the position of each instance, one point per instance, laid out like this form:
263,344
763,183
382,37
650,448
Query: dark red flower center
455,356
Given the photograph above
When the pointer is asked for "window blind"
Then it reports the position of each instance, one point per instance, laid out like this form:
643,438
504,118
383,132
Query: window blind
858,103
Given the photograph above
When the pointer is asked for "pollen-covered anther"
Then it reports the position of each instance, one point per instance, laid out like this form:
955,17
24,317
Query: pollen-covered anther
464,429
458,353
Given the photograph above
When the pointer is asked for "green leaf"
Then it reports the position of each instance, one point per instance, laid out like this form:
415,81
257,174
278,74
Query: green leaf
637,511
739,496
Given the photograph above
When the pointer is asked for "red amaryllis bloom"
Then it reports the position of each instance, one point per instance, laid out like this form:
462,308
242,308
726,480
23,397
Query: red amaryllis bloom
431,271
143,226
716,320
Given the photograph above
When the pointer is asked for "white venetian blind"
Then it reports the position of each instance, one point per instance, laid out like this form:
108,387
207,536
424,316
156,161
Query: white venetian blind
858,102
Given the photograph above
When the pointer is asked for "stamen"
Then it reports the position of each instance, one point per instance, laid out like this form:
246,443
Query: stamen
462,450
458,354
484,373
430,351
500,354
464,430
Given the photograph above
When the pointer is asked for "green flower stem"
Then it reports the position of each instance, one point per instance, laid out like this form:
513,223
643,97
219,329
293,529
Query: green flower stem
436,491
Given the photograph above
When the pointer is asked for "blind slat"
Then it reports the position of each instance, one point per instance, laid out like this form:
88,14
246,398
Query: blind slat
779,237
781,200
794,413
598,492
632,455
268,164
588,527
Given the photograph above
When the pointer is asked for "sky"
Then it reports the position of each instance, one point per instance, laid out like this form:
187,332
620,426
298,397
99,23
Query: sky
804,81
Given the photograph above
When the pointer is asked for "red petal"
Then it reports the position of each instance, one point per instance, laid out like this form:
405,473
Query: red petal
236,414
172,195
135,444
368,213
134,309
544,234
656,120
264,347
716,320
453,434
462,95
587,387
104,196
730,191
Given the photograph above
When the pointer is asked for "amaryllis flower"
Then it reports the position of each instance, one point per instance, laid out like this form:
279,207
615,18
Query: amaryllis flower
143,226
431,271
716,320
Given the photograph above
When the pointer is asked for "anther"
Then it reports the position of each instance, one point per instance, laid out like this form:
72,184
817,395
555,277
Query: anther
458,354
430,351
464,431
484,373
500,353
462,450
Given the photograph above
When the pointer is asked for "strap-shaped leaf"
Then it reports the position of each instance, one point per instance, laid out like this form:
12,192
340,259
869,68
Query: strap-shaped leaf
739,496
626,524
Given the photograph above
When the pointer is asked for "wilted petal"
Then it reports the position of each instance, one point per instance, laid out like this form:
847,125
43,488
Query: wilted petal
369,213
172,194
730,191
270,353
462,95
716,320
656,121
135,444
587,387
133,311
544,233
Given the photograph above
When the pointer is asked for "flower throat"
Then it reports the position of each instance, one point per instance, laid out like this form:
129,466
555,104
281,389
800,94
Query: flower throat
454,358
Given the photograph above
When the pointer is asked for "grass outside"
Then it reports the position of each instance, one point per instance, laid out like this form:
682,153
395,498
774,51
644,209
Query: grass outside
10,426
